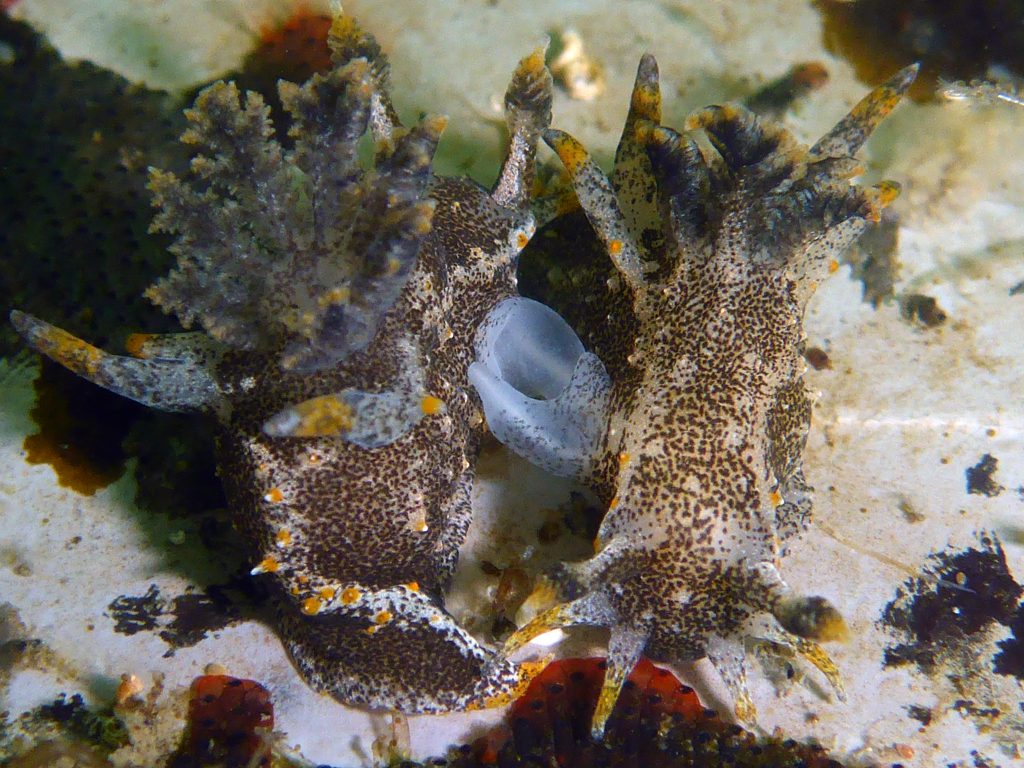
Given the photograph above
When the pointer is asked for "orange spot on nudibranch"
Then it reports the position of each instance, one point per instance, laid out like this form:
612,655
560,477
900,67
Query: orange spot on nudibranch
431,405
350,595
283,537
135,343
413,585
570,152
327,593
775,497
615,247
833,266
274,496
322,416
623,459
522,239
383,617
268,564
311,606
613,503
885,192
534,63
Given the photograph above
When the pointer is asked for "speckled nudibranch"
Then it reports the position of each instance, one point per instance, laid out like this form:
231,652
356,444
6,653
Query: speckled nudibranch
703,414
338,303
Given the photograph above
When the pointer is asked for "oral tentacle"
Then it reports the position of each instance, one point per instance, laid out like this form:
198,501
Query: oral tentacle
184,384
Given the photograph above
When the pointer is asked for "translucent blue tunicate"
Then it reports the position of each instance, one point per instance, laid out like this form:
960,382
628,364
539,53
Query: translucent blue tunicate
544,396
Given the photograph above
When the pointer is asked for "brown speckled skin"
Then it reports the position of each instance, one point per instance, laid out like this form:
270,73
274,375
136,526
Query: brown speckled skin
359,543
700,326
351,514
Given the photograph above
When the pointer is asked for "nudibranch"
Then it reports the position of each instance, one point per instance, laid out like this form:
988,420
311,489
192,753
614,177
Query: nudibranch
339,300
716,239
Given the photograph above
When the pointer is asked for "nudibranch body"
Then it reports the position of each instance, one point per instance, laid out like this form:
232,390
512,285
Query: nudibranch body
340,304
714,252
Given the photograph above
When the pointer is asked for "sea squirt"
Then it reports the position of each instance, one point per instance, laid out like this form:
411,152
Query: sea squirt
338,302
714,252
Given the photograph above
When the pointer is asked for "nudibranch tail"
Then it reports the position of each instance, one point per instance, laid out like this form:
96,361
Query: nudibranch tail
175,373
424,661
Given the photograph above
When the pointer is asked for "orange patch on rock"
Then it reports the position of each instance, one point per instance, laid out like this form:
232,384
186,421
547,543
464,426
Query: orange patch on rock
294,48
81,428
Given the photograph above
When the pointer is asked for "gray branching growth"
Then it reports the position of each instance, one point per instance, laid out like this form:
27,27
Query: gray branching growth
1000,90
300,251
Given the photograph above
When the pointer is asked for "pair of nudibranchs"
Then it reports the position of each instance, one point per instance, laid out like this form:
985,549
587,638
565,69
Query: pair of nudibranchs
359,320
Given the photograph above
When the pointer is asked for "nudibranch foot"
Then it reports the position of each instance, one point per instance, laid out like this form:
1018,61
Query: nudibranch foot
713,250
424,661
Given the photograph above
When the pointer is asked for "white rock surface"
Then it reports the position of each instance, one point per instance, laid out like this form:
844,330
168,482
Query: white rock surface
904,411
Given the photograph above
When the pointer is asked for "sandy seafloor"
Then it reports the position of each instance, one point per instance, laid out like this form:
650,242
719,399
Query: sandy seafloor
903,412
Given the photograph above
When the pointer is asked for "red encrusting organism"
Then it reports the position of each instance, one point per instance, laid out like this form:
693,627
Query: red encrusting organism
570,686
657,721
294,48
561,701
230,721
